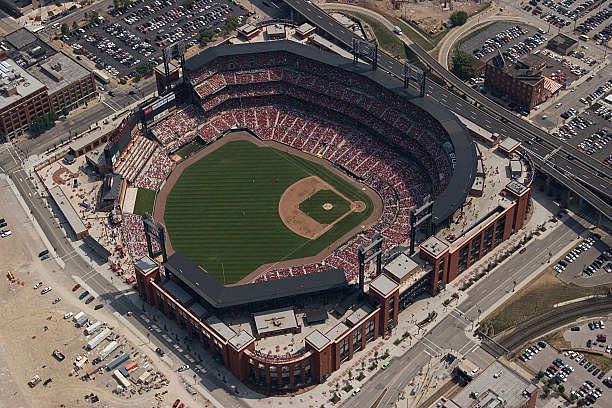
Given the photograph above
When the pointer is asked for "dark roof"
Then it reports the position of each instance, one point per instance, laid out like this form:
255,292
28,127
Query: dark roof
98,248
21,38
561,41
464,172
111,187
219,296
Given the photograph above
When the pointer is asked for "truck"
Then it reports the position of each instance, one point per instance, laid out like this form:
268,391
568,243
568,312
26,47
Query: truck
93,327
124,382
93,343
106,351
79,318
117,362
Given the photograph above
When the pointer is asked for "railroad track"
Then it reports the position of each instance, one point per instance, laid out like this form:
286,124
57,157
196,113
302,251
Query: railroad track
551,320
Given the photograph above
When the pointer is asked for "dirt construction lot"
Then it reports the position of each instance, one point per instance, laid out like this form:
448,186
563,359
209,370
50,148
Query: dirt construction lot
33,327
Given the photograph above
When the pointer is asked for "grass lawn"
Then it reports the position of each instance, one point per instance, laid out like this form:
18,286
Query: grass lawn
536,298
190,148
223,211
145,199
313,206
386,39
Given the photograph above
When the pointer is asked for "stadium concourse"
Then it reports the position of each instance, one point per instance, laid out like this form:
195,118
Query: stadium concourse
325,106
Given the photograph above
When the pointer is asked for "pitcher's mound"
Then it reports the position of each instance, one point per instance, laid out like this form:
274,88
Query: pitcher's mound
328,206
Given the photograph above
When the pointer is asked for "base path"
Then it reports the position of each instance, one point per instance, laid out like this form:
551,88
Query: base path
299,222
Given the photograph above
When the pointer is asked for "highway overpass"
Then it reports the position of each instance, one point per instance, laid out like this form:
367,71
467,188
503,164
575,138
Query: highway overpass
570,167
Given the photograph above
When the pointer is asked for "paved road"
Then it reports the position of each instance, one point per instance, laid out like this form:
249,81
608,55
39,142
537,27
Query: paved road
575,172
80,121
450,332
76,266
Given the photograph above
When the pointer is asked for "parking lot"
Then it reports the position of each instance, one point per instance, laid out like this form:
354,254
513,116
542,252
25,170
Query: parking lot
565,13
587,264
123,38
511,39
580,378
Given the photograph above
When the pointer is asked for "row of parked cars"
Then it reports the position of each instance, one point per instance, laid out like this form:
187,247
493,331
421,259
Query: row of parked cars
531,351
604,36
596,142
598,93
565,8
571,128
574,254
559,370
526,46
595,20
588,393
498,41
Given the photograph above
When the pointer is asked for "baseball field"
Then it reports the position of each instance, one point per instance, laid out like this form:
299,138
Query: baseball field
225,209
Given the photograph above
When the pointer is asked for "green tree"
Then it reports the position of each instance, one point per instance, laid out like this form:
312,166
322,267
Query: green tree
116,4
144,69
65,29
463,65
205,37
230,24
74,25
540,375
561,388
93,16
459,18
188,3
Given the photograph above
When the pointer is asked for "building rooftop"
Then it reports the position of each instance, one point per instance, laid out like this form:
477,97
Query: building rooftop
509,144
359,314
198,310
145,264
220,328
516,188
71,215
337,331
275,29
57,71
270,321
400,267
317,339
241,340
177,292
305,28
383,285
15,83
434,246
561,41
21,38
498,385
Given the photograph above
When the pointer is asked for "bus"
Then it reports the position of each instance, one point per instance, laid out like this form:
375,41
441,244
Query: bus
101,77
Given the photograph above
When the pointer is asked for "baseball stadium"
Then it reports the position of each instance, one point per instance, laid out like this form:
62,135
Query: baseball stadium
280,191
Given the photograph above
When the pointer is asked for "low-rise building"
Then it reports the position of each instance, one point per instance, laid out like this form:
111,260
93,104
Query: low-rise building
562,44
521,82
57,84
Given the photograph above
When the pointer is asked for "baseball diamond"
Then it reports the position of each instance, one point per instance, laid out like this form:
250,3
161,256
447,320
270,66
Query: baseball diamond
222,210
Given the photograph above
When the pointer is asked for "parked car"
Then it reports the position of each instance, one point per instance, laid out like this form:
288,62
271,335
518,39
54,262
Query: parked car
83,295
89,300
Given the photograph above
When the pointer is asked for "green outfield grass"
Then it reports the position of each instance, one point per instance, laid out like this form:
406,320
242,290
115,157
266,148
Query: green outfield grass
145,199
313,206
223,211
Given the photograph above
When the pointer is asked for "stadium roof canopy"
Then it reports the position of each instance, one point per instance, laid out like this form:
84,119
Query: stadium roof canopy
219,296
464,172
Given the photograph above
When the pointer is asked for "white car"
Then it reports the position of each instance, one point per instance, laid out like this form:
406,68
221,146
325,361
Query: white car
57,300
183,367
356,390
46,290
37,285
6,233
67,315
